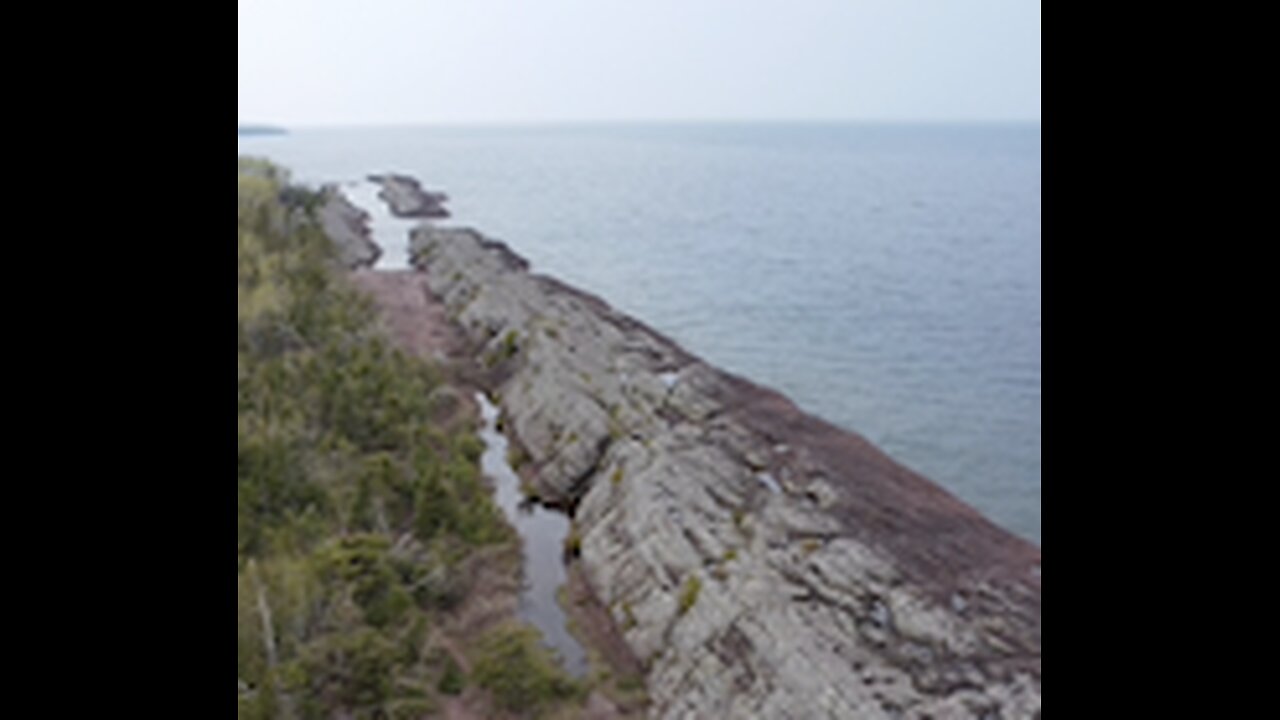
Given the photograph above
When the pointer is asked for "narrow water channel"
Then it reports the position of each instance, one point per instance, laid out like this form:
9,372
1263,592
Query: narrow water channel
387,231
543,532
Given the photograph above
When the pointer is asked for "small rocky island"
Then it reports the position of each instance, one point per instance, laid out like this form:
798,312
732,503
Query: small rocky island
749,559
260,130
406,198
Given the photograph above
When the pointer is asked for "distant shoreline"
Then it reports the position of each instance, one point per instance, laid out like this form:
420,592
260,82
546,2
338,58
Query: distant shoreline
260,130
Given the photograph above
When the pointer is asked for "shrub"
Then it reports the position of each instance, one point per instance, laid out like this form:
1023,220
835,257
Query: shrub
349,670
512,664
451,680
471,448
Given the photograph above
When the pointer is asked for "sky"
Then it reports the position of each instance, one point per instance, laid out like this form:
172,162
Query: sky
386,62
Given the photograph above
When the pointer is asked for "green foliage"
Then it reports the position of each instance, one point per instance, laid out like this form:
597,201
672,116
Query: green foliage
362,564
437,510
573,544
689,593
296,197
470,447
265,701
357,511
516,457
631,683
506,349
523,676
510,344
412,709
452,681
411,643
362,512
352,670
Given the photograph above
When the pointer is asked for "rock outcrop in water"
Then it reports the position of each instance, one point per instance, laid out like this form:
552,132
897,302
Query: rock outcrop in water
406,198
758,561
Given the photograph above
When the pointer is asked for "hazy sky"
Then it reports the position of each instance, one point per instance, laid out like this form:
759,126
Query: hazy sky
306,62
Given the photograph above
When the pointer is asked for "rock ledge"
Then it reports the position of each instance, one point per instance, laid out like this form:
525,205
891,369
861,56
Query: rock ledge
758,561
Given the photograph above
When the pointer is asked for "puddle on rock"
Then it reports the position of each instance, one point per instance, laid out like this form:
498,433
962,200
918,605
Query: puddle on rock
542,532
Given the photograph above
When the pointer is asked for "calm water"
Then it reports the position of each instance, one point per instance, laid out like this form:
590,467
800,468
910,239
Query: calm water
542,532
886,278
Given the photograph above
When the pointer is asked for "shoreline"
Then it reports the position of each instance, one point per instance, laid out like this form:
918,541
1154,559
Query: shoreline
796,536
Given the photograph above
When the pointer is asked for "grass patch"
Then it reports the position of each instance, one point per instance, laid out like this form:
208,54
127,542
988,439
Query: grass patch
689,593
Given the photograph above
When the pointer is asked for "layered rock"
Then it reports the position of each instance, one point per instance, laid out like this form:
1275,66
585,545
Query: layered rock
758,561
406,198
348,226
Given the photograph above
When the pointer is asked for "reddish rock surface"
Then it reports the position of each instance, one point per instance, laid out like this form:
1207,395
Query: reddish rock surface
415,318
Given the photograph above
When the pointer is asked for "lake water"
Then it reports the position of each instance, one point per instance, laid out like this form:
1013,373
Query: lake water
886,278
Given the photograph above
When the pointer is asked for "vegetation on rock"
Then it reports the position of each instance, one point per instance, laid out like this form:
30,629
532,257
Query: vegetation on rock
689,593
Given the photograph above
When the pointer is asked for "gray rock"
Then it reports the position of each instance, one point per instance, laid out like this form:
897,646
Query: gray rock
348,226
407,199
833,596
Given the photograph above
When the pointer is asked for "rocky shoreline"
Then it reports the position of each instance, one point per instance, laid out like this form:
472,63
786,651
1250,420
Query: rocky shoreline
348,227
754,560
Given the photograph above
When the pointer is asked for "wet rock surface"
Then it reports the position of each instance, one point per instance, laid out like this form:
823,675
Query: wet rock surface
406,198
758,561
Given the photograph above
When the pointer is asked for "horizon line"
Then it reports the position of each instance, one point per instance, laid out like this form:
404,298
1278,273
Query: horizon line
639,121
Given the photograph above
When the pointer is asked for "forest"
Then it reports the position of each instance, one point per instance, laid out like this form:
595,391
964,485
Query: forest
365,530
